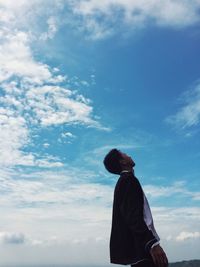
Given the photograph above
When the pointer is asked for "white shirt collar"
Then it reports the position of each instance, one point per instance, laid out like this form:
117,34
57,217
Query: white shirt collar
124,171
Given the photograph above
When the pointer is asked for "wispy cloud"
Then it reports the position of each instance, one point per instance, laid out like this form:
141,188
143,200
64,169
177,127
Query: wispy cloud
189,114
17,60
101,17
55,209
77,212
52,211
52,29
188,235
33,95
12,238
59,190
178,188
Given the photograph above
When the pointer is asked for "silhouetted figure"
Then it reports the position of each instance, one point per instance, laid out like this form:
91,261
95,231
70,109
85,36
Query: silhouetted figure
133,239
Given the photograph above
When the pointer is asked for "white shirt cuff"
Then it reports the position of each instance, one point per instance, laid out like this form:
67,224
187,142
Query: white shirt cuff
155,244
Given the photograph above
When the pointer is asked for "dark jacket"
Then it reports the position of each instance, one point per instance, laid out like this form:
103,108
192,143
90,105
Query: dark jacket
130,239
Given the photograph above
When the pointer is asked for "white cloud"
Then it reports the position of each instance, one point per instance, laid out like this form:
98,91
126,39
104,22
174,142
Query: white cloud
98,19
65,209
78,219
62,212
52,29
68,134
27,14
17,60
32,98
12,238
189,114
187,235
46,144
14,135
60,190
177,189
49,252
48,163
196,195
11,4
58,105
66,137
165,191
45,204
101,17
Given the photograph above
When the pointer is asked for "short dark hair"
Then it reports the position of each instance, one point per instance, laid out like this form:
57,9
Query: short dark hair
112,161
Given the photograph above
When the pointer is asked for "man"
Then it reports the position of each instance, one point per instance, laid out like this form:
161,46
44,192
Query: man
133,239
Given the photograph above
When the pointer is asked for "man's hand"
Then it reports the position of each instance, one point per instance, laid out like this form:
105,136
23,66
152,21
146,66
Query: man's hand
159,257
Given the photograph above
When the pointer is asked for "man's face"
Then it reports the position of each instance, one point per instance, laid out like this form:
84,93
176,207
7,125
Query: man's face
127,160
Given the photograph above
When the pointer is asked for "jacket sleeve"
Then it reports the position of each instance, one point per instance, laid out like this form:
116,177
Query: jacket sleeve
131,207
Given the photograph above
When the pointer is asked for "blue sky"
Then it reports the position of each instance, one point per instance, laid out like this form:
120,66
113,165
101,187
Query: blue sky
78,78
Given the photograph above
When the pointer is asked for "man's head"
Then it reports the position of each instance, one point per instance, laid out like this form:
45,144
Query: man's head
116,161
